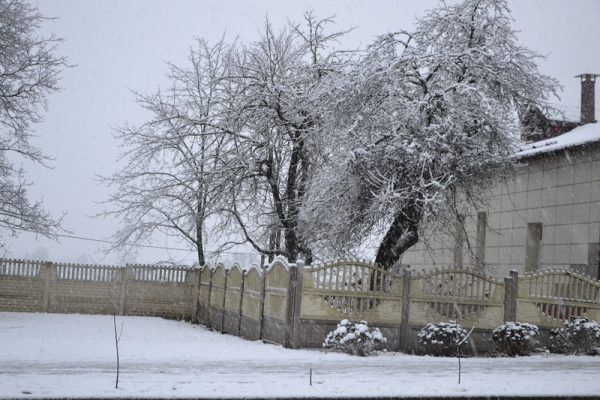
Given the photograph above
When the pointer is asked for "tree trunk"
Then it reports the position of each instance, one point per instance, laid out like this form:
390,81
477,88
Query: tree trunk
274,241
291,245
199,247
402,234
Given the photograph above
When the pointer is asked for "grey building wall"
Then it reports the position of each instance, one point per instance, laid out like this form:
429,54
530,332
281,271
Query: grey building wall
546,216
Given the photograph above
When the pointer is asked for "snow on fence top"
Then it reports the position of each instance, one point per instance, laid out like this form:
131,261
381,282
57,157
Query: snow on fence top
278,260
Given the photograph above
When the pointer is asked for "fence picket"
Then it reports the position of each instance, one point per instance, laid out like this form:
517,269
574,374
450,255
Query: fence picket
94,273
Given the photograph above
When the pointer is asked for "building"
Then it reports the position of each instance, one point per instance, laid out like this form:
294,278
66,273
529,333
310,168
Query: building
546,216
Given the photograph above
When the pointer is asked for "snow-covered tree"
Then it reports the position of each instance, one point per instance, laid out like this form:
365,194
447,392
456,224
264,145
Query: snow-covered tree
172,181
421,123
233,141
29,71
279,134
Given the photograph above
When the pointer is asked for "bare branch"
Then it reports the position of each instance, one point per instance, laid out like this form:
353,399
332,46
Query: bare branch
29,72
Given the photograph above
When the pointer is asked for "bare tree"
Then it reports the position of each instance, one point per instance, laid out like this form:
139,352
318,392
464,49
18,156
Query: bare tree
116,332
171,182
232,142
29,70
424,121
117,337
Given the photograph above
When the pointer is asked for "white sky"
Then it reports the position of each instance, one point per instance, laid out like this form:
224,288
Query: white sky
119,46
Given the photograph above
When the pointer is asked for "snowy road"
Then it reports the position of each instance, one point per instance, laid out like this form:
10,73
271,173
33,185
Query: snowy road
73,355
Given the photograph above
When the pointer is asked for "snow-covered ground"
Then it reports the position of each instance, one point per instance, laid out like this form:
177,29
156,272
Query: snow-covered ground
74,355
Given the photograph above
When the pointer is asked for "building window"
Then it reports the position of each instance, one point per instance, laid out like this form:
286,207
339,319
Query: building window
533,248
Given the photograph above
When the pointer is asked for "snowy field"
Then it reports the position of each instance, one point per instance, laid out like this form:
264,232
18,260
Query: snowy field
59,355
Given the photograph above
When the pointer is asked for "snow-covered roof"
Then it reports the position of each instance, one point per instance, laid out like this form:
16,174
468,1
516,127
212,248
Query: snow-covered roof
588,133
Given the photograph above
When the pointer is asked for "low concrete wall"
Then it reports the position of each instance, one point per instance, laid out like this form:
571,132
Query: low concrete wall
167,300
250,329
273,330
73,297
231,323
297,306
252,304
21,294
36,286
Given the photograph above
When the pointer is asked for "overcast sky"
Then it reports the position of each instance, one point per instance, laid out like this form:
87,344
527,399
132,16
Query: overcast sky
118,46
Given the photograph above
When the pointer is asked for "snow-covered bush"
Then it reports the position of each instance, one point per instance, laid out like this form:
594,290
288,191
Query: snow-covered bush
442,339
355,338
578,336
515,338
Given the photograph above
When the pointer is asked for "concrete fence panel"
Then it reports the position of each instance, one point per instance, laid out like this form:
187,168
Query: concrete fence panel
217,297
350,289
276,302
204,295
548,298
84,289
470,297
356,290
252,303
160,291
22,285
233,300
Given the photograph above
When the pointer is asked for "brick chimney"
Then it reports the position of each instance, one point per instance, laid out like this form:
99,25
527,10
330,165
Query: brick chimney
588,102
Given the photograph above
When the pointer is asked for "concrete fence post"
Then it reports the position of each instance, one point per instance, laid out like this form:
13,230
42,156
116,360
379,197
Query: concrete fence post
48,274
196,295
403,342
296,337
239,327
291,301
511,293
223,303
123,291
263,289
208,312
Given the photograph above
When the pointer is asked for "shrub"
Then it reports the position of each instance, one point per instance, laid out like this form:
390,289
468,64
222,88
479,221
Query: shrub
515,338
355,338
442,339
577,336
